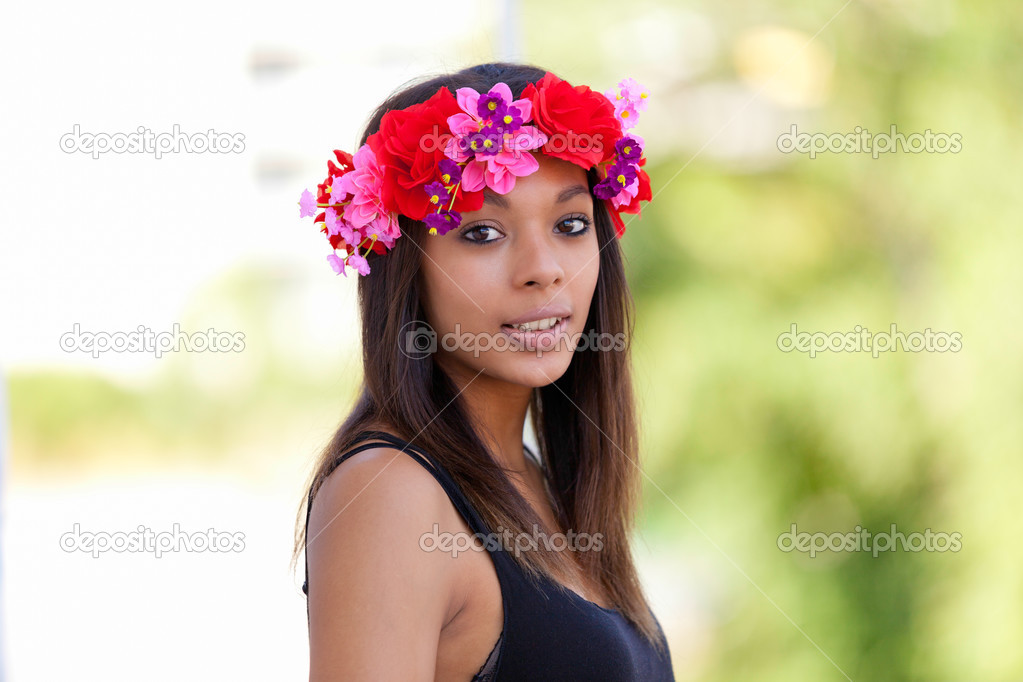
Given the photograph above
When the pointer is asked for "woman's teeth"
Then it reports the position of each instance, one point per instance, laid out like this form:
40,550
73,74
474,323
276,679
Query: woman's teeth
536,325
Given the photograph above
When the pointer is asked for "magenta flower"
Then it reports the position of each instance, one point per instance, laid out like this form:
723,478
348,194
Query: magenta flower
307,205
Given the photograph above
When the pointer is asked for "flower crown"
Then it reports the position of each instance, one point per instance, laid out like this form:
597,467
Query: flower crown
431,161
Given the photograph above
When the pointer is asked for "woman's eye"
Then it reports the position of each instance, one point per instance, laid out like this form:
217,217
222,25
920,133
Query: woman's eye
576,225
481,234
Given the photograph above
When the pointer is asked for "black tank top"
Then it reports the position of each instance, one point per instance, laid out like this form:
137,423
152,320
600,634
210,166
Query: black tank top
550,632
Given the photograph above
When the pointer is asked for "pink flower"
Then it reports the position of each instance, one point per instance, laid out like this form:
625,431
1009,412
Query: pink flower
635,93
359,263
332,222
628,100
336,264
366,210
493,167
472,122
337,192
307,205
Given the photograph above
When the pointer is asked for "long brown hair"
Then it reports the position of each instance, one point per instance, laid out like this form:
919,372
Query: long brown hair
585,421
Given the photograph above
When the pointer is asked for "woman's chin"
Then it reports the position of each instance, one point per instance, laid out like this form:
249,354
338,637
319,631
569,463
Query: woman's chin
531,369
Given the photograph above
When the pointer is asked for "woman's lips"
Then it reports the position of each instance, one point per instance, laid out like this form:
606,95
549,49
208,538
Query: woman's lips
545,339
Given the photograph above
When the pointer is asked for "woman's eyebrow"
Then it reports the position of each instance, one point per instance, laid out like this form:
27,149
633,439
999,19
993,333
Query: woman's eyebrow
490,197
571,192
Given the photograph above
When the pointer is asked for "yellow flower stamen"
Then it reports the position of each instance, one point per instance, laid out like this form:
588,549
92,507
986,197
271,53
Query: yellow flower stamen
492,105
434,199
627,150
625,114
433,230
488,143
507,118
446,178
621,180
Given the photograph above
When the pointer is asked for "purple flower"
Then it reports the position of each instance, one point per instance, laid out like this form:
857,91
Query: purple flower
605,189
487,141
622,173
443,221
628,149
450,172
619,176
438,193
509,122
491,106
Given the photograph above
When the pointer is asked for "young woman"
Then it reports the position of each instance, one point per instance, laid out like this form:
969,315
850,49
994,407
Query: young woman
491,288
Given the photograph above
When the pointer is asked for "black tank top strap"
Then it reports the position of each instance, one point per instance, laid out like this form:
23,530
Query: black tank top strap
458,498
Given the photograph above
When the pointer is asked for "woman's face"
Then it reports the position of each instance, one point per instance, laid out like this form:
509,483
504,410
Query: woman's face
528,255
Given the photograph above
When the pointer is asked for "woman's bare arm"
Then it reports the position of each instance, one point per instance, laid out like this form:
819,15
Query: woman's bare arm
377,601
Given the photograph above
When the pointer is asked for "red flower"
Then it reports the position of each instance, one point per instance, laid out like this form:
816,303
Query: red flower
580,123
333,171
409,147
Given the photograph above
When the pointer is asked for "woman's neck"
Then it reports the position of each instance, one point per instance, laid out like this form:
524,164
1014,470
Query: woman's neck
498,410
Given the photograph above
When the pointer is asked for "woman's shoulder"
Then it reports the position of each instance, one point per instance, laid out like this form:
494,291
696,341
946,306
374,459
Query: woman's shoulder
364,548
379,479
